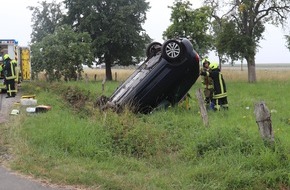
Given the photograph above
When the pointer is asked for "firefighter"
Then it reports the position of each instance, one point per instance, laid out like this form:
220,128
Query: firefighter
206,82
219,99
10,76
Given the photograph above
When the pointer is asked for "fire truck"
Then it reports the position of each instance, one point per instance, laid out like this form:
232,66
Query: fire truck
18,53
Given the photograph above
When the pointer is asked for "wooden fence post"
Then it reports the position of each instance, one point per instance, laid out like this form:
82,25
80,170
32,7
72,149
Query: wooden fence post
95,77
86,78
263,119
202,108
116,76
103,85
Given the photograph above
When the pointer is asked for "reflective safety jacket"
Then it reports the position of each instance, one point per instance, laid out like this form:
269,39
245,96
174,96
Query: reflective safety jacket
206,81
219,85
9,70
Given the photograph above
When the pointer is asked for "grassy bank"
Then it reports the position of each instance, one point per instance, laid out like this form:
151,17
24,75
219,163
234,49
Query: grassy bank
76,144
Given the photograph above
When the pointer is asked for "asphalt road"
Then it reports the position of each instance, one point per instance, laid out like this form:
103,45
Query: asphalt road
9,180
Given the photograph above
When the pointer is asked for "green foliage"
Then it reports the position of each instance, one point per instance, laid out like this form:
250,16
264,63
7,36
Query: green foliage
228,41
241,26
45,19
168,149
114,26
192,23
62,54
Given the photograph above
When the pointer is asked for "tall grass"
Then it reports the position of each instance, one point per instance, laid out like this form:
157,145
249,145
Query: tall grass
168,149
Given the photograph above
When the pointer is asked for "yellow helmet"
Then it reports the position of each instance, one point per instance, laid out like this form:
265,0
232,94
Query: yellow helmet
6,56
213,65
205,61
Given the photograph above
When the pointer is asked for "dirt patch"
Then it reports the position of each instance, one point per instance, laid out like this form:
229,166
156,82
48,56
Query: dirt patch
6,106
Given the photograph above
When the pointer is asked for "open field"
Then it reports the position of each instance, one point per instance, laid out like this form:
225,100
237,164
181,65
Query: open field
264,72
77,144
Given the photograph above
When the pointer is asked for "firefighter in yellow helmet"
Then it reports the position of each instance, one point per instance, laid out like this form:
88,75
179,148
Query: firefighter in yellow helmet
10,76
206,82
219,99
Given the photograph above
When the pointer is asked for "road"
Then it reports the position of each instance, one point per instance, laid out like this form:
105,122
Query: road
9,180
12,181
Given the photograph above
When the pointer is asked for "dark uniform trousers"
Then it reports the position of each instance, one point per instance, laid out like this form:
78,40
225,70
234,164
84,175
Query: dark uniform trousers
10,86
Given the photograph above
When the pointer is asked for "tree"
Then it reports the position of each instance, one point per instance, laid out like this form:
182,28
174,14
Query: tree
55,47
227,42
45,18
114,26
287,41
192,23
62,53
249,18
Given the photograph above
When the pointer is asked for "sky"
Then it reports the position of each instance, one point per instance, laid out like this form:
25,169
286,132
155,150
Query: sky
16,24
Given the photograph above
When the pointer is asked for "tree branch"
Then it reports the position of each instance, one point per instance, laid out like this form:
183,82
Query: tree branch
276,9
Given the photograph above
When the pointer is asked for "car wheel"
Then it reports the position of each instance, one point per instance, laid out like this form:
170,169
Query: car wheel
172,50
153,48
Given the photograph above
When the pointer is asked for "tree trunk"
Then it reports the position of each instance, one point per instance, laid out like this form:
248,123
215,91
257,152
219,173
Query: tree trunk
220,62
251,69
108,62
242,63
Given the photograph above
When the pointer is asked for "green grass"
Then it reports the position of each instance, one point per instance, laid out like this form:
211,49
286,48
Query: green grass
168,149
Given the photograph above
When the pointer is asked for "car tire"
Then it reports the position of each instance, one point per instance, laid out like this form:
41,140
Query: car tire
172,50
152,49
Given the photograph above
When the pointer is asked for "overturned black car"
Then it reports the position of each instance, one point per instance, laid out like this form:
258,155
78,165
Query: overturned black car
166,75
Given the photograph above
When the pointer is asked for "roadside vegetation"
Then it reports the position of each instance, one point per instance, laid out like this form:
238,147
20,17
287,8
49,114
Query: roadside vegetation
77,144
